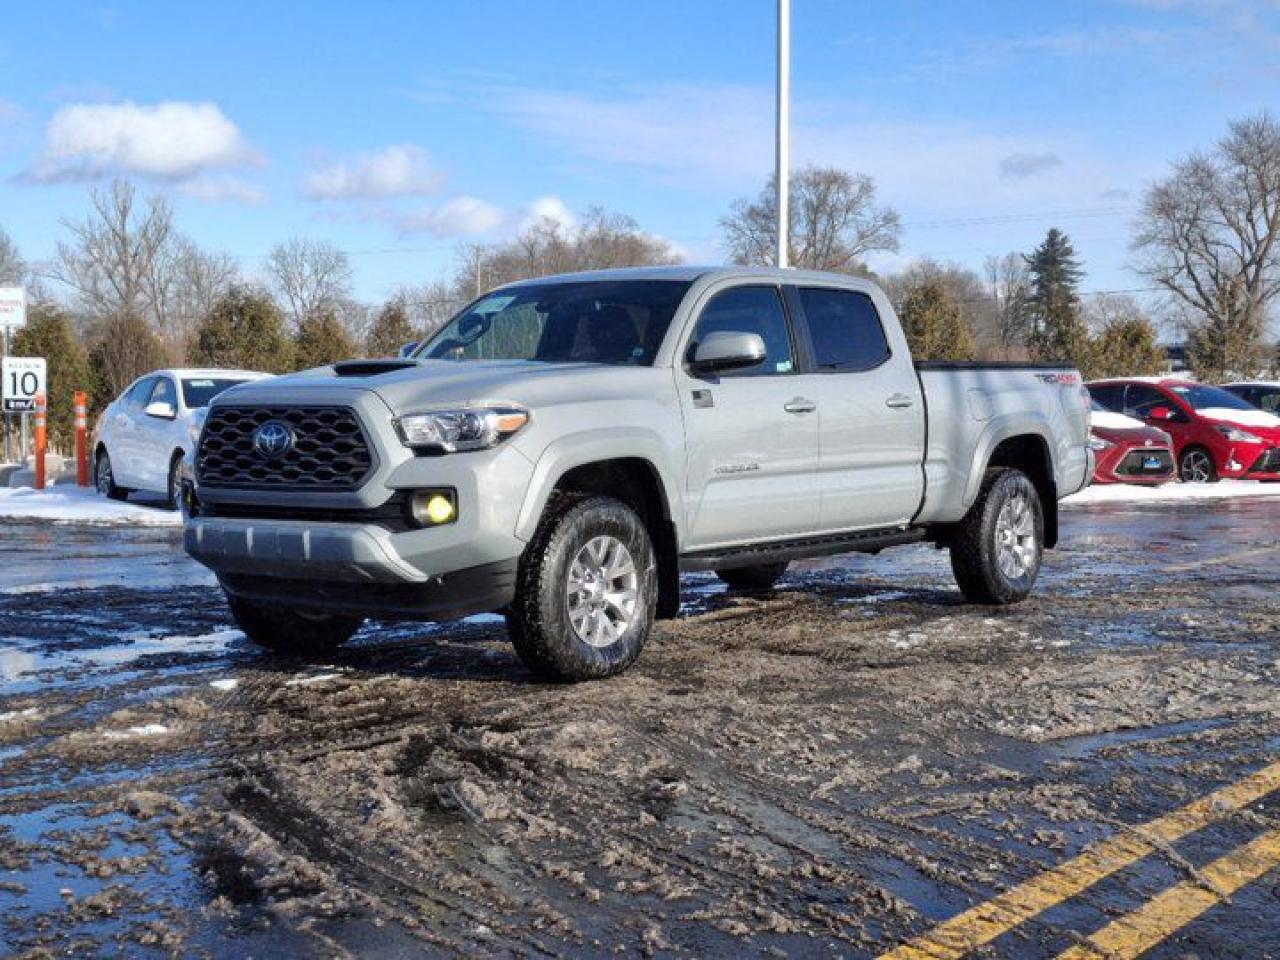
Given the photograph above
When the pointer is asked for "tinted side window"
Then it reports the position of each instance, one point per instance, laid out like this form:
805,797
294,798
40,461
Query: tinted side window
844,329
140,391
1140,399
164,392
749,310
1110,395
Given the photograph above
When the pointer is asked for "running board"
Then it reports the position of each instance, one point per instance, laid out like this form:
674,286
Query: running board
779,551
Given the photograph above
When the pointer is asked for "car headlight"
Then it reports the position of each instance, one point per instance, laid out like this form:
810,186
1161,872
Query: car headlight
1097,443
1236,435
469,428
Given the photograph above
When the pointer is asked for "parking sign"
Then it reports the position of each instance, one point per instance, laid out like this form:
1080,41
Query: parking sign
13,308
23,379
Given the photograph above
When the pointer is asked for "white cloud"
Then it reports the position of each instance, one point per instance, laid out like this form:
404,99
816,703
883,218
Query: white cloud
173,140
460,217
221,189
548,208
397,171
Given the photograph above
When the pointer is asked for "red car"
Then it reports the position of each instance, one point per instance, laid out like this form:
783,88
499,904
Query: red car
1128,451
1215,433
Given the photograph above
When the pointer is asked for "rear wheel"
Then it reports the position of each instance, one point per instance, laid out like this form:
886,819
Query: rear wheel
996,549
105,480
1196,466
760,577
291,631
586,590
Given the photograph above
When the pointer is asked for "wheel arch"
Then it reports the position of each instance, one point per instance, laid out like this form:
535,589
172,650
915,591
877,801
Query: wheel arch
1030,453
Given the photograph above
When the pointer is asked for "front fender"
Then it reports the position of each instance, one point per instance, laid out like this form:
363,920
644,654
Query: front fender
593,446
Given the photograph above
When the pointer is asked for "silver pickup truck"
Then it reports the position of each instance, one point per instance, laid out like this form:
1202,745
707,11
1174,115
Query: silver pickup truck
564,447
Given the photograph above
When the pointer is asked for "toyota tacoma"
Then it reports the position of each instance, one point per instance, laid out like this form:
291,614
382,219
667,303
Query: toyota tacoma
564,447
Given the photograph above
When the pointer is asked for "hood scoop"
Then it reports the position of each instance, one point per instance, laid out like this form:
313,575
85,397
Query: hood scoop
370,368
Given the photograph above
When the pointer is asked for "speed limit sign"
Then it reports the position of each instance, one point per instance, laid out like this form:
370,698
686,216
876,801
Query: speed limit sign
23,380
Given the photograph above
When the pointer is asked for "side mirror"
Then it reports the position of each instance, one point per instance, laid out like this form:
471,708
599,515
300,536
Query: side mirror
727,350
408,348
161,410
1160,413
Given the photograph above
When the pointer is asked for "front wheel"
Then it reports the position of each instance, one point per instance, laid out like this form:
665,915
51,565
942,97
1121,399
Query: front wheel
290,631
997,548
586,590
1196,466
105,479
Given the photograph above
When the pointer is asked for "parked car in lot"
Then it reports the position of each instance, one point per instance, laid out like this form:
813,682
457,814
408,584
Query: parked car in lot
1263,394
143,435
1128,451
1215,433
563,447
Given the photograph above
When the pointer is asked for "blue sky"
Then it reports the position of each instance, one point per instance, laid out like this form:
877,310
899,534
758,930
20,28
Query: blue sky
399,130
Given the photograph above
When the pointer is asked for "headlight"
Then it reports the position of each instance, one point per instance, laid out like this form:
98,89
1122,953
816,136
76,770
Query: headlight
471,428
1097,443
1236,435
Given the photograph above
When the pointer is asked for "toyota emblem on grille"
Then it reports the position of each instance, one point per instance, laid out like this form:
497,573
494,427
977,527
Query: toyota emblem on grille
273,439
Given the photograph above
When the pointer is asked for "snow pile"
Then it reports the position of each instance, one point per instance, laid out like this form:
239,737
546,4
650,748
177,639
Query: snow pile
1172,492
69,504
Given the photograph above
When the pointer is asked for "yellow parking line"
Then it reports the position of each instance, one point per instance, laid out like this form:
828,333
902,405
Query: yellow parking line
1139,931
954,938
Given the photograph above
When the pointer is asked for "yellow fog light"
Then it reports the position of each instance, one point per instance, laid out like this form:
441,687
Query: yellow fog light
433,508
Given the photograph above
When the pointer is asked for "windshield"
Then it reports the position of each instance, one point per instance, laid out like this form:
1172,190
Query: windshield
595,321
197,392
1210,398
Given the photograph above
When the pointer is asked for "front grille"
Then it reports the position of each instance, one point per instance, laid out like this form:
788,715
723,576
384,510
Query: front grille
329,452
1135,462
1269,462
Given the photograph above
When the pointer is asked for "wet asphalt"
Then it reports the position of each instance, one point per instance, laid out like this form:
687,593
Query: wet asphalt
831,769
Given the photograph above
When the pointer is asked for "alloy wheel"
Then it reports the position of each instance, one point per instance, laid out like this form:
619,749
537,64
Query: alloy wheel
601,592
1016,537
1196,467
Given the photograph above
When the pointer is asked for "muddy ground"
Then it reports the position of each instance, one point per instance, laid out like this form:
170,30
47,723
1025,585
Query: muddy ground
824,770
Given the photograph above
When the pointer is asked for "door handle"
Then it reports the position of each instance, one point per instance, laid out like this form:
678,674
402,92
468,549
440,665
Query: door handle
899,401
799,405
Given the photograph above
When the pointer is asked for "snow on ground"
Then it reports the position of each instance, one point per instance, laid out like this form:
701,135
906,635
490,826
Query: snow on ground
69,504
1173,492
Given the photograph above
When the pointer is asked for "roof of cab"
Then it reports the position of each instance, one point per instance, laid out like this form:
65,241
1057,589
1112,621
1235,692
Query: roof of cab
687,273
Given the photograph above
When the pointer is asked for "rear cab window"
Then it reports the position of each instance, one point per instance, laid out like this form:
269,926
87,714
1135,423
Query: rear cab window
844,328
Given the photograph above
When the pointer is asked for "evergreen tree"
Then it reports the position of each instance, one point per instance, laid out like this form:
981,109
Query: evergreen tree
391,329
935,323
1058,330
125,347
321,340
48,334
244,330
1126,347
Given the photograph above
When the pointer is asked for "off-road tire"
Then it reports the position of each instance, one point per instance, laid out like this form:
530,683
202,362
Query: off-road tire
974,542
1185,466
760,577
538,620
297,633
107,485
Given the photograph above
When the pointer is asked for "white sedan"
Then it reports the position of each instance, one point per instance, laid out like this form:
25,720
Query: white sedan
144,434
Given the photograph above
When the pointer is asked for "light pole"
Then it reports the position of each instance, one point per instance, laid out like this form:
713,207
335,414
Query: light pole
783,152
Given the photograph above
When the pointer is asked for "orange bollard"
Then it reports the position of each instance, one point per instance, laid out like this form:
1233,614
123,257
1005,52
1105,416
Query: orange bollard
81,403
41,419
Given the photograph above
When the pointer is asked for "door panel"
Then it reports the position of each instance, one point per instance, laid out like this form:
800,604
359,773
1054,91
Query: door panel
751,435
154,443
872,426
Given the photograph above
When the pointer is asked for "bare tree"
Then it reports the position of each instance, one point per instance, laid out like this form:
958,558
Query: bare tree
834,222
309,275
963,290
431,306
113,257
183,285
13,269
1207,235
600,240
1009,287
